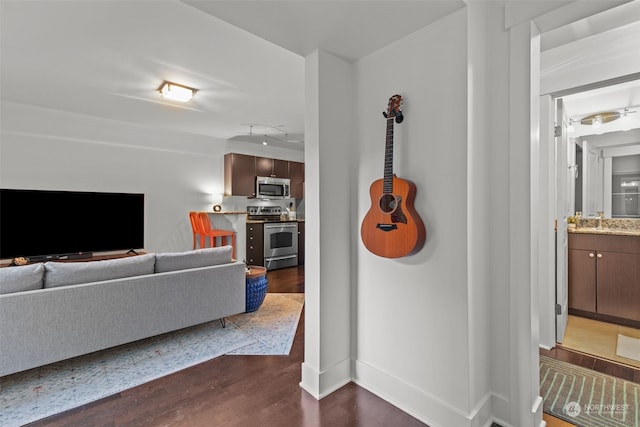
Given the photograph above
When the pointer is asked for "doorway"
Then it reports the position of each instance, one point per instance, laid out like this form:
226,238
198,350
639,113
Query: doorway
586,183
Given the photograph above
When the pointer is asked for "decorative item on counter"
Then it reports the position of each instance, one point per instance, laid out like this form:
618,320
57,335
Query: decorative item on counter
17,261
571,221
217,202
292,212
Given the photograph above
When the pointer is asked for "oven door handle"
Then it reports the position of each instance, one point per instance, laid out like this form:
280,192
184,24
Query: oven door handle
293,225
278,258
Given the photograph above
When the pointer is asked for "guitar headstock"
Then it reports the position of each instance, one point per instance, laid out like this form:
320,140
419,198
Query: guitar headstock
393,108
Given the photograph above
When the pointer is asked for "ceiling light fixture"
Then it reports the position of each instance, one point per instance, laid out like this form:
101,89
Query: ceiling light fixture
176,92
265,136
596,120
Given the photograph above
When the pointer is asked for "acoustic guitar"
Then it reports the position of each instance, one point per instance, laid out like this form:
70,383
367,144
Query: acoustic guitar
392,227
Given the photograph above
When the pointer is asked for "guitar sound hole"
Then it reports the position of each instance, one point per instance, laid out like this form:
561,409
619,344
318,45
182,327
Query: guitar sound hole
388,203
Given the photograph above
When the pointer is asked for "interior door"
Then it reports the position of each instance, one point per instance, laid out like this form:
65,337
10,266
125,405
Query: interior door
563,211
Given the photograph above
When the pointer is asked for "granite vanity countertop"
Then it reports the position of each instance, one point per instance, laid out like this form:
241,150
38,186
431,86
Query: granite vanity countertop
609,231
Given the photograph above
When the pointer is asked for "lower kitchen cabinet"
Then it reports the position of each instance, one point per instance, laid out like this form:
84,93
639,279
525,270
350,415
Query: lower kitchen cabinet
301,243
604,275
255,244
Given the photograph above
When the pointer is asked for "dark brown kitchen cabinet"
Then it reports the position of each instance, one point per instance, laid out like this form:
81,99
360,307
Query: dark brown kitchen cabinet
240,171
301,243
255,244
272,167
296,174
604,275
239,175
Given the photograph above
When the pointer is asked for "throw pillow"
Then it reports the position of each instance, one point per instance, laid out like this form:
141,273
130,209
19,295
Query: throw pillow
172,261
23,278
72,273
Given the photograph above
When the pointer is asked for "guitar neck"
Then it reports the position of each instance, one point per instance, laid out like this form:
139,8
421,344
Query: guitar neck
387,183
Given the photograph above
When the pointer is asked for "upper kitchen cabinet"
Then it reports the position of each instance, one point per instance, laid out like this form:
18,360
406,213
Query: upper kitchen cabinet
240,171
239,175
272,167
296,174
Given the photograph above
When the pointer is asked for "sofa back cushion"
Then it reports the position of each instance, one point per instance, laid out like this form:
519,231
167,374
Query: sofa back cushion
172,261
18,279
72,273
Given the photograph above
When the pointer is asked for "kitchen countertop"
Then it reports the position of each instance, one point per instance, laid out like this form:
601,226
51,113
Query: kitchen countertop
262,221
227,212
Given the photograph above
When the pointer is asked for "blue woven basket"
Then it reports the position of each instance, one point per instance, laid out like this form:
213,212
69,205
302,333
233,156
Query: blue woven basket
256,291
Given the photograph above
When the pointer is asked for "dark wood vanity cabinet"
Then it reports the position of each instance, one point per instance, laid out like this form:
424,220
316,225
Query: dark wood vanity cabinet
618,280
604,275
582,280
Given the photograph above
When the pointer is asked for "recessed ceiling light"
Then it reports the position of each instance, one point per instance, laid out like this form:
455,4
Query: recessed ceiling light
176,92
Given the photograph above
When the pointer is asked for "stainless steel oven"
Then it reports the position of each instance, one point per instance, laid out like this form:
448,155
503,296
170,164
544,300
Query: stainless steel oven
280,244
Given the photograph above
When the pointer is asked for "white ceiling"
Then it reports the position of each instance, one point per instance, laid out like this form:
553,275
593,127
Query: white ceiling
347,28
107,58
246,58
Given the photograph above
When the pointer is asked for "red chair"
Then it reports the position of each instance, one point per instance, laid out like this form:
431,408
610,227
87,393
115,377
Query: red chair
213,234
196,228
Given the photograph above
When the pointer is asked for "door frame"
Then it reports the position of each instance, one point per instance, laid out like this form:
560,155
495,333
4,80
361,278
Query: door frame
547,263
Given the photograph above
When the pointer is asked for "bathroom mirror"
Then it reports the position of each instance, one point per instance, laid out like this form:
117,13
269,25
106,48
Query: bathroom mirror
604,149
607,174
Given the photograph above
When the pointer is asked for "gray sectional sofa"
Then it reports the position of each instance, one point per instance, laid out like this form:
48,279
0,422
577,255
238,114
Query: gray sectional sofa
54,311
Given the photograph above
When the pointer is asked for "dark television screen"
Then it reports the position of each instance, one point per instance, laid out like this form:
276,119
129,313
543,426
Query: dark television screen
36,223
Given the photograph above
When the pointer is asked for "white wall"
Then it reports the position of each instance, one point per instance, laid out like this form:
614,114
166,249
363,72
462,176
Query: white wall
412,317
177,172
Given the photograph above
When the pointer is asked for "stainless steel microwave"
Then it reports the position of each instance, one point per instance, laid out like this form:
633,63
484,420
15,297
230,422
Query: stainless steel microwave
273,188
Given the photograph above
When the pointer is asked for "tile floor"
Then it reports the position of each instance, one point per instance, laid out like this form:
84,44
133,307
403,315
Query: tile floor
598,338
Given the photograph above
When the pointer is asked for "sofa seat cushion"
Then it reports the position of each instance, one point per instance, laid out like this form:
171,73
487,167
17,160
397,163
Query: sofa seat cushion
23,278
72,273
172,261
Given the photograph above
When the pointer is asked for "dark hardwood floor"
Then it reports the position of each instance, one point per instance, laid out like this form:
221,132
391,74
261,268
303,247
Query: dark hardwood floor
625,372
261,391
242,391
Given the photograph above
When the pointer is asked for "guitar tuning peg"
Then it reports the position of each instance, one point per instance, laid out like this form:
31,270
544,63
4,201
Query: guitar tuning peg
399,117
384,113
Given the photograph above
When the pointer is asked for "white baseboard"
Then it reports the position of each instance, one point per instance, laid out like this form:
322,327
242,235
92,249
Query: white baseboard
321,384
424,407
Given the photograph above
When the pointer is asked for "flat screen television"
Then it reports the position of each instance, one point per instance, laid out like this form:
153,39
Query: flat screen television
42,224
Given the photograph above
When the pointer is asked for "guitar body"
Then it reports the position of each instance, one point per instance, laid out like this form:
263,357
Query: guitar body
392,227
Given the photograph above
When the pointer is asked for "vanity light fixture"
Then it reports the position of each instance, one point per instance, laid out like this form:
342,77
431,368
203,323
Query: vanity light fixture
176,92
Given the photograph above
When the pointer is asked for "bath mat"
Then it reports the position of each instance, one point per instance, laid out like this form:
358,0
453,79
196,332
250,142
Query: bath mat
628,347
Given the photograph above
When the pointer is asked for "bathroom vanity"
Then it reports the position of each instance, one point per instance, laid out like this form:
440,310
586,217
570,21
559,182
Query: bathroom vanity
604,274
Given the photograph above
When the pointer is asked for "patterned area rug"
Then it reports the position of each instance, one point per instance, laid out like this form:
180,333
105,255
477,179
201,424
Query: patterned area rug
41,392
588,398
